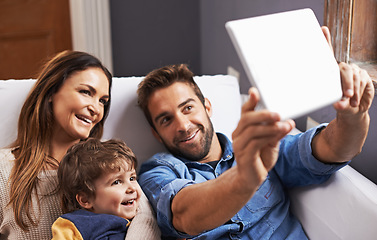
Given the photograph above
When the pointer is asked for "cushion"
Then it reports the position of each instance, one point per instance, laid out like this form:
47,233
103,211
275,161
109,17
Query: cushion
126,120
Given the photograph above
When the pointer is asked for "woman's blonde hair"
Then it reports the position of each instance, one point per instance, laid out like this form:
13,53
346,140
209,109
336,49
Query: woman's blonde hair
35,127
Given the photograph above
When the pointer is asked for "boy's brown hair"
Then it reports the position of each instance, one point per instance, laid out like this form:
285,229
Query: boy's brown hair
85,162
162,78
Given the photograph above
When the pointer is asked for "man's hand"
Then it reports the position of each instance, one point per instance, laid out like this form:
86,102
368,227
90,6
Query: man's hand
358,90
256,140
357,86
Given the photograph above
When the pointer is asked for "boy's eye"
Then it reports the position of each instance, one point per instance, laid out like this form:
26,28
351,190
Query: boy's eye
116,182
133,178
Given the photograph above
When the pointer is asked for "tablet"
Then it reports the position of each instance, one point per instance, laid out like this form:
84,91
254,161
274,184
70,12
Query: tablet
287,58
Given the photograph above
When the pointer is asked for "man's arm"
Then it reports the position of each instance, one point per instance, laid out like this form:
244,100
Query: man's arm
207,205
344,137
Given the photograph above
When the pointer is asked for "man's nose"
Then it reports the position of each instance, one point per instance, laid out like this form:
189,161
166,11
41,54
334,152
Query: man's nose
183,123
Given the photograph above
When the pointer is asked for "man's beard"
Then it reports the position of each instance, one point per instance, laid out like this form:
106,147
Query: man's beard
204,144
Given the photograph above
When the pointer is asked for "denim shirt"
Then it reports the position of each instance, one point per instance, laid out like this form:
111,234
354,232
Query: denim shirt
265,216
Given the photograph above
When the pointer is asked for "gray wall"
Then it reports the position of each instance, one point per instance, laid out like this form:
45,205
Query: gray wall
149,34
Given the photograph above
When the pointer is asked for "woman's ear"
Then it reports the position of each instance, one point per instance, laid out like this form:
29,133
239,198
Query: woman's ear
84,201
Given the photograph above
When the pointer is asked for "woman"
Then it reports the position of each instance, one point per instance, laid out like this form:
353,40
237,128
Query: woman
69,102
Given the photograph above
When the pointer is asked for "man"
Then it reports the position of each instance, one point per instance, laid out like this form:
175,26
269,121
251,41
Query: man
210,188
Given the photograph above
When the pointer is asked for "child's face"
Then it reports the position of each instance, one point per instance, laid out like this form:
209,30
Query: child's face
117,193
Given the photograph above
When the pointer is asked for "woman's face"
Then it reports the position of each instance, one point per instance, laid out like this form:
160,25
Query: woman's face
79,104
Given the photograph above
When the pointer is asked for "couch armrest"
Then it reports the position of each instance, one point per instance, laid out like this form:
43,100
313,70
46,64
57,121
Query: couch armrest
344,207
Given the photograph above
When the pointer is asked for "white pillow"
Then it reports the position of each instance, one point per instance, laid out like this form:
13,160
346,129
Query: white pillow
126,120
12,96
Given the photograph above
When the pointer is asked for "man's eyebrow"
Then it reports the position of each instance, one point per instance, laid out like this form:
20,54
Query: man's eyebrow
160,116
185,102
179,106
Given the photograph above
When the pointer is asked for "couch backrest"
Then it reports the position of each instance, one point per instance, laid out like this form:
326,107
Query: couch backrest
126,121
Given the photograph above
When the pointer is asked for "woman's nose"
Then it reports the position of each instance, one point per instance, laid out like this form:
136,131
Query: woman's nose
94,108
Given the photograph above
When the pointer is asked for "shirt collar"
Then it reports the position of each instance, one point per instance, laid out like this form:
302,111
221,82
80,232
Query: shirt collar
226,146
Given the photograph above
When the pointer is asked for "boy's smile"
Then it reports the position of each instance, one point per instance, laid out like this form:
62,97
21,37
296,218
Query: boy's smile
117,193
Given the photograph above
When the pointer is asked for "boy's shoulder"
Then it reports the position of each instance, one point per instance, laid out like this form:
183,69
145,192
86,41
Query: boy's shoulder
92,225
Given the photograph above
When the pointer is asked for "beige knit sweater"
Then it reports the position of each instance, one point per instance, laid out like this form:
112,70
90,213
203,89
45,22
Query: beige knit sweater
143,226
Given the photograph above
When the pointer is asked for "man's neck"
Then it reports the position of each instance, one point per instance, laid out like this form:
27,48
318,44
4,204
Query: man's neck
215,152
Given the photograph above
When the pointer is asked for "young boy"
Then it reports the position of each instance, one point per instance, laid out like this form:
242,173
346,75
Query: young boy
100,193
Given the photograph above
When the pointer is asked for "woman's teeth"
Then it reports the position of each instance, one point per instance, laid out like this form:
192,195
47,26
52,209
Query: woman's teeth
84,119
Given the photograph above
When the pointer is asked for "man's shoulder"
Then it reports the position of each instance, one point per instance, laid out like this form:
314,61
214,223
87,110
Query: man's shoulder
161,159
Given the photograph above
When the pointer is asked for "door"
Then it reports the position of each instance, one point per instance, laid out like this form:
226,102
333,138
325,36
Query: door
31,31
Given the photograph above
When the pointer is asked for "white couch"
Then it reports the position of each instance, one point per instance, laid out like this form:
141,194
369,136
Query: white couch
345,207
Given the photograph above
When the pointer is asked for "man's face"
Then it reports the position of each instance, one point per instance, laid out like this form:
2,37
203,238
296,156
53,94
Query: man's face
181,121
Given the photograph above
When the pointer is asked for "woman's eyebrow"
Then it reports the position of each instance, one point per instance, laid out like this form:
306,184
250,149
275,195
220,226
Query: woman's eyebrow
93,90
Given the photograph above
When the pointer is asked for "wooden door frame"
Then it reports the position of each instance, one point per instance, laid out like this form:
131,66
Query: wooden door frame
346,19
91,28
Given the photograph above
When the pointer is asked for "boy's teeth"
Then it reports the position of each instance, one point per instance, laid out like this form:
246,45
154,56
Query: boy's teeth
128,202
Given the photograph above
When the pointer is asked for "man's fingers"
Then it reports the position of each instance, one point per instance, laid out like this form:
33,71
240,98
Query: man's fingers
253,119
346,73
327,34
252,102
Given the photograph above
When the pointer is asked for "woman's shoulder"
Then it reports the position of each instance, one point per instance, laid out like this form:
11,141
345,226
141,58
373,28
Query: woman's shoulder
6,159
6,153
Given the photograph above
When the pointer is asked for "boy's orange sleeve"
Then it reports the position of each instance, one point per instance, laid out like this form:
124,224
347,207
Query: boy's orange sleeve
65,229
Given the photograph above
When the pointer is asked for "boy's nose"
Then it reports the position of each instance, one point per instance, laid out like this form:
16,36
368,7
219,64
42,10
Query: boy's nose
130,189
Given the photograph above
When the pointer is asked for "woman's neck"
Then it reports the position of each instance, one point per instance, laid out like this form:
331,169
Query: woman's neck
59,148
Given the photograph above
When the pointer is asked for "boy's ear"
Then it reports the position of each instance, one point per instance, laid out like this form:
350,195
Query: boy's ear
84,201
156,135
